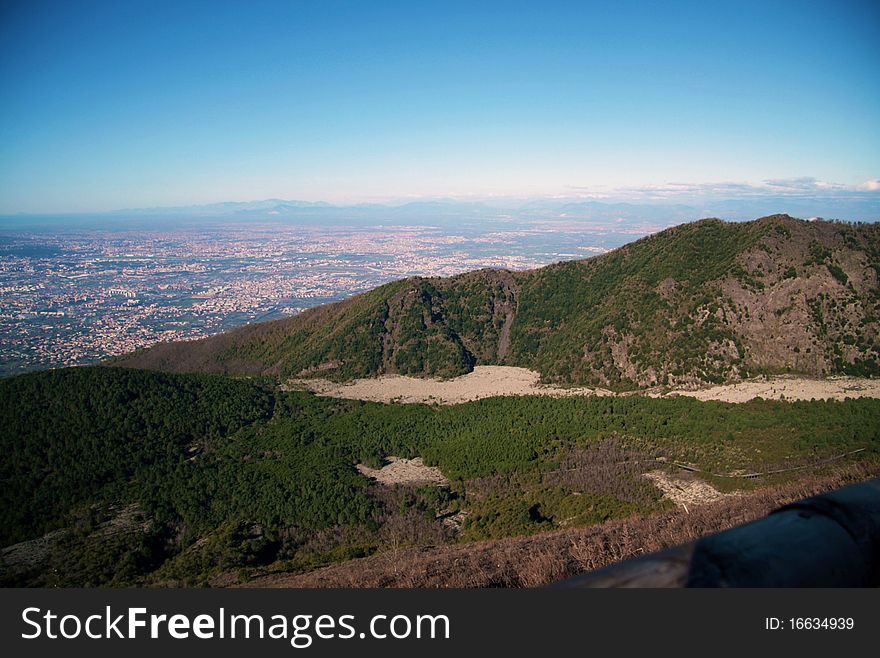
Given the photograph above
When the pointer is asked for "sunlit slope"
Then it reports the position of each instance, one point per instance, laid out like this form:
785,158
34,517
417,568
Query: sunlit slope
708,301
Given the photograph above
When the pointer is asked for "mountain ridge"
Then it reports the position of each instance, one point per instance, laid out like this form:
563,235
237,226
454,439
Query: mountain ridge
704,302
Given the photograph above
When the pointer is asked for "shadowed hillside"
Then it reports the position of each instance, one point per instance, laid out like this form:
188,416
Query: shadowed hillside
704,302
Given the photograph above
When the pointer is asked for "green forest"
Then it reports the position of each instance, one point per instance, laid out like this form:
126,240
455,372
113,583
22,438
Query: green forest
148,478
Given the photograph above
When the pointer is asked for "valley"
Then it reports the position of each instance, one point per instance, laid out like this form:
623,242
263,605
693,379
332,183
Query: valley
129,477
492,428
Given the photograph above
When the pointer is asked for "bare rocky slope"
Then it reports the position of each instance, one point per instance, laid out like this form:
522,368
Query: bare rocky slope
706,302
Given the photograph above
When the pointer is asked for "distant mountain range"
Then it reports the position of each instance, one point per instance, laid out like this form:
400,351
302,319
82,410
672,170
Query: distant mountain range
444,212
709,301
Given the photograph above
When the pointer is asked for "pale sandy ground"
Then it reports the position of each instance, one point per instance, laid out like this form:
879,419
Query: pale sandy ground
686,490
398,470
483,382
491,381
791,388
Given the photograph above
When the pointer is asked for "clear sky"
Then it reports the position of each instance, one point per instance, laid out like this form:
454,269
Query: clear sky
117,104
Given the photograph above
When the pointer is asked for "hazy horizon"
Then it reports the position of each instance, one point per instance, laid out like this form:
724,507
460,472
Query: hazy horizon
450,212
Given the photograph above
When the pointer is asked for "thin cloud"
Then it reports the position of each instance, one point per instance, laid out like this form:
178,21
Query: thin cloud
803,186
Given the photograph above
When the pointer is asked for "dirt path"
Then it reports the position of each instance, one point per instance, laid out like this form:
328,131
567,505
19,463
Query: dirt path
491,381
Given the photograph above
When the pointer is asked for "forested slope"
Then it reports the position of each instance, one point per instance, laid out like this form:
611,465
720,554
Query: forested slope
704,302
149,478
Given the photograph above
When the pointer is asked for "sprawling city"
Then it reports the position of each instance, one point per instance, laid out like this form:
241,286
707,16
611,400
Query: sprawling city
72,297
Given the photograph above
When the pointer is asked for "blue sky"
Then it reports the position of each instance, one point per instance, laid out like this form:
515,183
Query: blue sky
107,105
